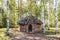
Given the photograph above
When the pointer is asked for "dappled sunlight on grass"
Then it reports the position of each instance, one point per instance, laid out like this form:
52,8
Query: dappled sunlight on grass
3,33
52,33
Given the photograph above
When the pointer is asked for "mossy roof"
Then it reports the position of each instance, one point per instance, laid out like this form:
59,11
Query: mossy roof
30,19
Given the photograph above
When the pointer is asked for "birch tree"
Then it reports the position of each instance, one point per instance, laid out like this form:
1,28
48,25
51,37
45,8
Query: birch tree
7,15
48,14
16,1
43,16
20,9
1,11
56,13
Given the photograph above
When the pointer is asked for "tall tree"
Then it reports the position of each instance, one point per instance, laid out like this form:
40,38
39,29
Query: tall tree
43,16
29,7
34,7
15,12
1,12
20,9
48,14
7,15
56,13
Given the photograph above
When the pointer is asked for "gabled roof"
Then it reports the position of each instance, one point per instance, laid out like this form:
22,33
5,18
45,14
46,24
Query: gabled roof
29,19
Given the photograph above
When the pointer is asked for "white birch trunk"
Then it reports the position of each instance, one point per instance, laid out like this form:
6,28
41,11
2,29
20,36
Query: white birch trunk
43,17
16,1
3,4
48,15
7,15
56,13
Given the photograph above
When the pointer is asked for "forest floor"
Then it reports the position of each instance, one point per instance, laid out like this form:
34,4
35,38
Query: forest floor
17,35
33,36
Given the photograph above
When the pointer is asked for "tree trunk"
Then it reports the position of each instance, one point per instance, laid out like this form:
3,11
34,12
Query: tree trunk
43,17
7,15
2,5
29,7
56,13
34,7
20,9
48,14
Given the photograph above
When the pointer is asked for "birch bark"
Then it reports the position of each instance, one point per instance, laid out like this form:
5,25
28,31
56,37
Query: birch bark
48,15
7,15
56,14
43,17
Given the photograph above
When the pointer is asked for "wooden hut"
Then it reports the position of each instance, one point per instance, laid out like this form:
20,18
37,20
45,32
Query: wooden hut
30,24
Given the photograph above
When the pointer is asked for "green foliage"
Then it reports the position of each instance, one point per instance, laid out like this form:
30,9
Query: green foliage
36,10
59,11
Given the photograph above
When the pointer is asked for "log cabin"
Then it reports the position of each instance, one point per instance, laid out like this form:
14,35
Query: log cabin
30,24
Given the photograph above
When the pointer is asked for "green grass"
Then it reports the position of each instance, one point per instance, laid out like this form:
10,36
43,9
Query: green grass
3,33
52,33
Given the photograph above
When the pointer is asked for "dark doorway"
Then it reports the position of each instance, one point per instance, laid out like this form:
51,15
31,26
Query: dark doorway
30,28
